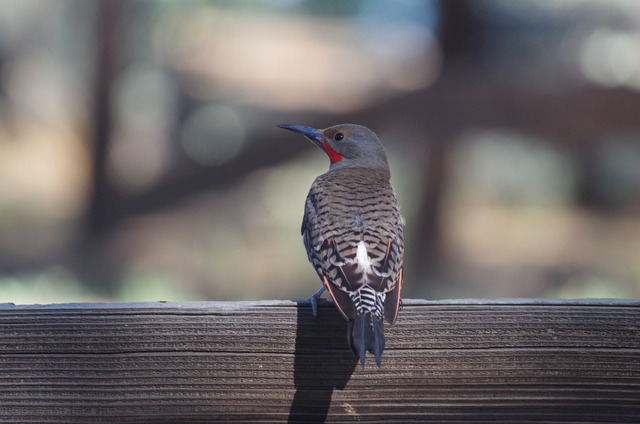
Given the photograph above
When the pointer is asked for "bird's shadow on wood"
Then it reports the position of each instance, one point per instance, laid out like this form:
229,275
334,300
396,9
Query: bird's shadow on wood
323,362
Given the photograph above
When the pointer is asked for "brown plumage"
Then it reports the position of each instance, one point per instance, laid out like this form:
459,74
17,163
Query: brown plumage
352,231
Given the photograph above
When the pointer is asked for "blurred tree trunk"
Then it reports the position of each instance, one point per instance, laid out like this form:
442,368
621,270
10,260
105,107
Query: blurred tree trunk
458,34
107,39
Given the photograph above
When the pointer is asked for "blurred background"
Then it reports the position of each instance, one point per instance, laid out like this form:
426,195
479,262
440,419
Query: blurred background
140,159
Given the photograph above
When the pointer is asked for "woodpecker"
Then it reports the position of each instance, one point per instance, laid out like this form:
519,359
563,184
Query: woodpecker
352,231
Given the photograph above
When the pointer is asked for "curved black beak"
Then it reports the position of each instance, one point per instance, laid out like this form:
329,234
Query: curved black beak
310,133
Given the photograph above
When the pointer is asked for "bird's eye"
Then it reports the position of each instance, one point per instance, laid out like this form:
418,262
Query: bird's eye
338,136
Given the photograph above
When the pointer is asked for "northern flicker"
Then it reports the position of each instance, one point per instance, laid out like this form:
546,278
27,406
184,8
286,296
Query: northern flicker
352,231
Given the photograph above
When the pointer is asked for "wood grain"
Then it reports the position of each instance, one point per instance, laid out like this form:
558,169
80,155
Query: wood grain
446,361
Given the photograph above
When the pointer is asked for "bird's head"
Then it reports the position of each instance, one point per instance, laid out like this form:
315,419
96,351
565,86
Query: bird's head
347,145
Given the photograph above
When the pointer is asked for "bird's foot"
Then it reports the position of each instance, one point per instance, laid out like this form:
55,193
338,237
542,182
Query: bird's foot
313,299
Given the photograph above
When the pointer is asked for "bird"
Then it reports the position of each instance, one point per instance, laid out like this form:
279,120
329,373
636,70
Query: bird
352,230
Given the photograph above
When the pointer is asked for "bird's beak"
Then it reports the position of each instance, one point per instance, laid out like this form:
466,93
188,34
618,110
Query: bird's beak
310,133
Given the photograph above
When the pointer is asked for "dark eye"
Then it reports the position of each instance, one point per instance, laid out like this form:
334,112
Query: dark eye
338,136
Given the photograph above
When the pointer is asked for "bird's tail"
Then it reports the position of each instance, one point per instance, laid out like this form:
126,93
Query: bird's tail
366,333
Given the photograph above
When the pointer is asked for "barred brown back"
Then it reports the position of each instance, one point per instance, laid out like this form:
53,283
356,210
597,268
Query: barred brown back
346,207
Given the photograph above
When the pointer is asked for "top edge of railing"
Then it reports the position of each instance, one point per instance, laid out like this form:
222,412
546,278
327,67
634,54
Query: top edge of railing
234,305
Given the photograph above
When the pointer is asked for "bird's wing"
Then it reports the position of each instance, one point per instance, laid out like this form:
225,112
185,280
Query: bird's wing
392,301
317,236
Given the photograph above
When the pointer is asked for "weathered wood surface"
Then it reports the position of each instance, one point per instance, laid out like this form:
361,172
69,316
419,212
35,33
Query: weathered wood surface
446,361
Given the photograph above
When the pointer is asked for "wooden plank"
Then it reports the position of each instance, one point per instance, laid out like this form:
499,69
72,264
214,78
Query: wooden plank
526,360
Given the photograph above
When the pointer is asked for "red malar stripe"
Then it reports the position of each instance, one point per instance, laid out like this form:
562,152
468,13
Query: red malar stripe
333,155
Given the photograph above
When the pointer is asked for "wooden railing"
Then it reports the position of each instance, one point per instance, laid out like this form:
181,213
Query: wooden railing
528,360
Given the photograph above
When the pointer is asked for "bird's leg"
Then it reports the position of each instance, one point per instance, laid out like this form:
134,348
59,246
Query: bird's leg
314,300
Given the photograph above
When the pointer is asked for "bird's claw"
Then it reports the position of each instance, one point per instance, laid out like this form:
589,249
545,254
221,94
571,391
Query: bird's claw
313,299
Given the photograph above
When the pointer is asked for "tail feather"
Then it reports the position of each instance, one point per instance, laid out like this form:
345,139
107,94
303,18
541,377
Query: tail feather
378,338
366,334
357,335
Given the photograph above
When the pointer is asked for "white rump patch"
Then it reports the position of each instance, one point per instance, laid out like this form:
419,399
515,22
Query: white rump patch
363,257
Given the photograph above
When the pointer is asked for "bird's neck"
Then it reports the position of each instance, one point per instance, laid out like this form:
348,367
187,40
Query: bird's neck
369,173
381,167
